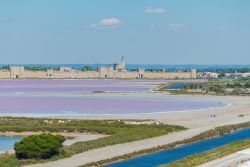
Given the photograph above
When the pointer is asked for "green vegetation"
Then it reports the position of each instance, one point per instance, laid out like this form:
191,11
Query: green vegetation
220,152
41,146
215,87
87,68
5,67
35,68
219,131
225,70
117,132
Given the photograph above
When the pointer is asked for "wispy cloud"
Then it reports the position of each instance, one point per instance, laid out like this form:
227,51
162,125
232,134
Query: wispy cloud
151,10
152,26
106,23
4,19
16,36
177,27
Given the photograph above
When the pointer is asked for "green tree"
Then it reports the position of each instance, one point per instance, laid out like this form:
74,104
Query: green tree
87,68
5,67
41,146
35,68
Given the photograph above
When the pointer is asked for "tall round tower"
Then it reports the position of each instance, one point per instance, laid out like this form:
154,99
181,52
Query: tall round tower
193,73
123,63
120,67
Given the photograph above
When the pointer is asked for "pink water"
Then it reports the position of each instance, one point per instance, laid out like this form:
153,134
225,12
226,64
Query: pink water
50,97
74,86
79,86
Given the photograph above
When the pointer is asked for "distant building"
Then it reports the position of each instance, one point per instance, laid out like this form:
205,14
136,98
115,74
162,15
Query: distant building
245,75
234,75
16,72
66,69
105,72
208,75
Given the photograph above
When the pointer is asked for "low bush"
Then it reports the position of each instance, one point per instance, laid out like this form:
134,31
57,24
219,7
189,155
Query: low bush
41,146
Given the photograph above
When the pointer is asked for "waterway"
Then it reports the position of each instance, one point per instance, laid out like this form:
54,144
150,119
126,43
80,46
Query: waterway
171,155
7,143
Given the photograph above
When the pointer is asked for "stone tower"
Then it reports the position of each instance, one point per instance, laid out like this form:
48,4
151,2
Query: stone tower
193,73
120,67
17,72
123,63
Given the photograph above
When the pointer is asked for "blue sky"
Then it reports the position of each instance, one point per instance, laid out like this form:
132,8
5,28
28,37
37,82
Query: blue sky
144,31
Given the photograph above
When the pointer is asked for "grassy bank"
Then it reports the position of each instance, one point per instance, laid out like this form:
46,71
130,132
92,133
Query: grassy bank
117,131
219,131
236,87
220,152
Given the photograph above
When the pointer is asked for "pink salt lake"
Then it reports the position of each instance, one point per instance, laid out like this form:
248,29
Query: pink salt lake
73,97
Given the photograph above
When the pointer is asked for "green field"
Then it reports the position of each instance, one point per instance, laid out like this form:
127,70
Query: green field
238,87
117,131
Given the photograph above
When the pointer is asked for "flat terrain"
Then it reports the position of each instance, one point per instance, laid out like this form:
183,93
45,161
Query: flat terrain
121,149
197,121
111,132
233,110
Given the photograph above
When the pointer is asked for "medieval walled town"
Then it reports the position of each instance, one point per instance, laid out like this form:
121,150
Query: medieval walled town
118,71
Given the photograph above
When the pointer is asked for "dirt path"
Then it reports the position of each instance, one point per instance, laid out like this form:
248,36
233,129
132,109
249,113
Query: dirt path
121,149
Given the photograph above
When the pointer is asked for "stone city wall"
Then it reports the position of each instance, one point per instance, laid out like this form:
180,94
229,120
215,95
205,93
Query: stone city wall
4,74
102,72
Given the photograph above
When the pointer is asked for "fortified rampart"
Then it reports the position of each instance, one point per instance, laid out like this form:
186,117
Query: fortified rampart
117,72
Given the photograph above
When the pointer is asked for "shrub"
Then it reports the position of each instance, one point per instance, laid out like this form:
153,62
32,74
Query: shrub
41,146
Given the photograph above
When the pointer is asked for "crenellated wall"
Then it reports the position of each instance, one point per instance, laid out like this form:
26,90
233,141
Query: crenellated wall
102,72
4,74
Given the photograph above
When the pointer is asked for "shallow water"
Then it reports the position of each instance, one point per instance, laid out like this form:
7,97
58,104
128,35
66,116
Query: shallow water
78,86
68,97
64,105
168,156
175,87
7,143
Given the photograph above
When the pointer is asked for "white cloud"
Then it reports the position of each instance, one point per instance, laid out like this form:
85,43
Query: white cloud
16,36
106,23
177,27
154,10
110,22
